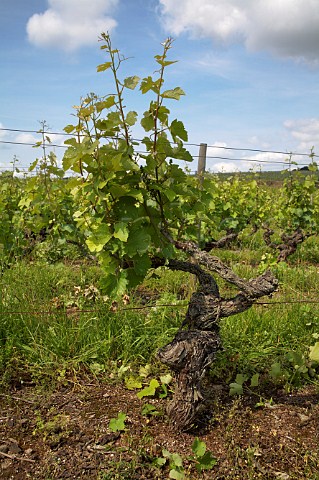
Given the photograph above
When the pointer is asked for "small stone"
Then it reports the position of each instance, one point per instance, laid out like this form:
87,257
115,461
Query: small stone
282,475
108,438
6,463
4,448
303,418
14,448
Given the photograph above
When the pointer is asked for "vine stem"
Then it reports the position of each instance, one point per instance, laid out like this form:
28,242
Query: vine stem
119,90
159,101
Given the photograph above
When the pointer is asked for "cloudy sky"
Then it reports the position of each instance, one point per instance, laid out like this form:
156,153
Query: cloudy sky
250,70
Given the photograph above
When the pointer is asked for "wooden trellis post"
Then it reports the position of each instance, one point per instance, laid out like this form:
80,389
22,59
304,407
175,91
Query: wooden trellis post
201,168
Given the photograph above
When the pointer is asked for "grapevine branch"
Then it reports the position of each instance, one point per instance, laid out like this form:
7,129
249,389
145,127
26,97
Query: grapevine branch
195,345
289,243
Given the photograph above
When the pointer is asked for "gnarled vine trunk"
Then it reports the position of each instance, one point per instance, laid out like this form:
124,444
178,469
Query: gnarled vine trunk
289,243
194,347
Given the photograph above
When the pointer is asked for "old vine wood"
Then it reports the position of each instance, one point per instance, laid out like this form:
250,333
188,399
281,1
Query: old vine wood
194,347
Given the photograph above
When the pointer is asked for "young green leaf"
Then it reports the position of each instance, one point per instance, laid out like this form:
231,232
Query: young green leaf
105,104
176,459
121,231
103,66
160,461
69,128
254,382
131,118
149,409
206,462
176,474
174,94
149,84
164,63
235,389
276,370
117,424
177,129
147,121
240,378
144,371
131,82
33,165
314,352
150,390
99,238
166,379
132,383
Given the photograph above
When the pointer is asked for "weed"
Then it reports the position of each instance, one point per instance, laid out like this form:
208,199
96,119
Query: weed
118,424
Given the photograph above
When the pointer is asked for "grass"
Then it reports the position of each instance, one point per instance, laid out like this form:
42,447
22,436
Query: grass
66,324
58,329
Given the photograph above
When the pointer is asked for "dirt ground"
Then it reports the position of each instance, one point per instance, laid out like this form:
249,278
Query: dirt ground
64,433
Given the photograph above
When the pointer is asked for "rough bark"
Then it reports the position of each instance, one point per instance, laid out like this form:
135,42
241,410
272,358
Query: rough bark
289,243
194,347
221,243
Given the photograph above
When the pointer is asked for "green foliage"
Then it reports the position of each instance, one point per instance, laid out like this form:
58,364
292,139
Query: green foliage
236,388
125,199
150,410
234,202
118,424
298,205
175,461
12,239
150,390
203,459
314,352
152,387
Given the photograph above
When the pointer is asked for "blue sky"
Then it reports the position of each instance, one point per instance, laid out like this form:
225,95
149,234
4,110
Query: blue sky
250,70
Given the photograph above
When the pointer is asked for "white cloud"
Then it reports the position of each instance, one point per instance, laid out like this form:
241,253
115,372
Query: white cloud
223,161
26,138
216,150
225,167
266,160
71,24
286,28
235,160
306,132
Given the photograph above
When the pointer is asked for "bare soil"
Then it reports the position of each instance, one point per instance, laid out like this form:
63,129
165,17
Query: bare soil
64,433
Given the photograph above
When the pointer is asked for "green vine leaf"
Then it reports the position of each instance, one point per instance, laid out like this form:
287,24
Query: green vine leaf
121,232
131,118
176,474
235,389
148,84
131,82
198,447
174,94
99,238
147,121
132,383
314,352
103,66
150,390
177,130
118,424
